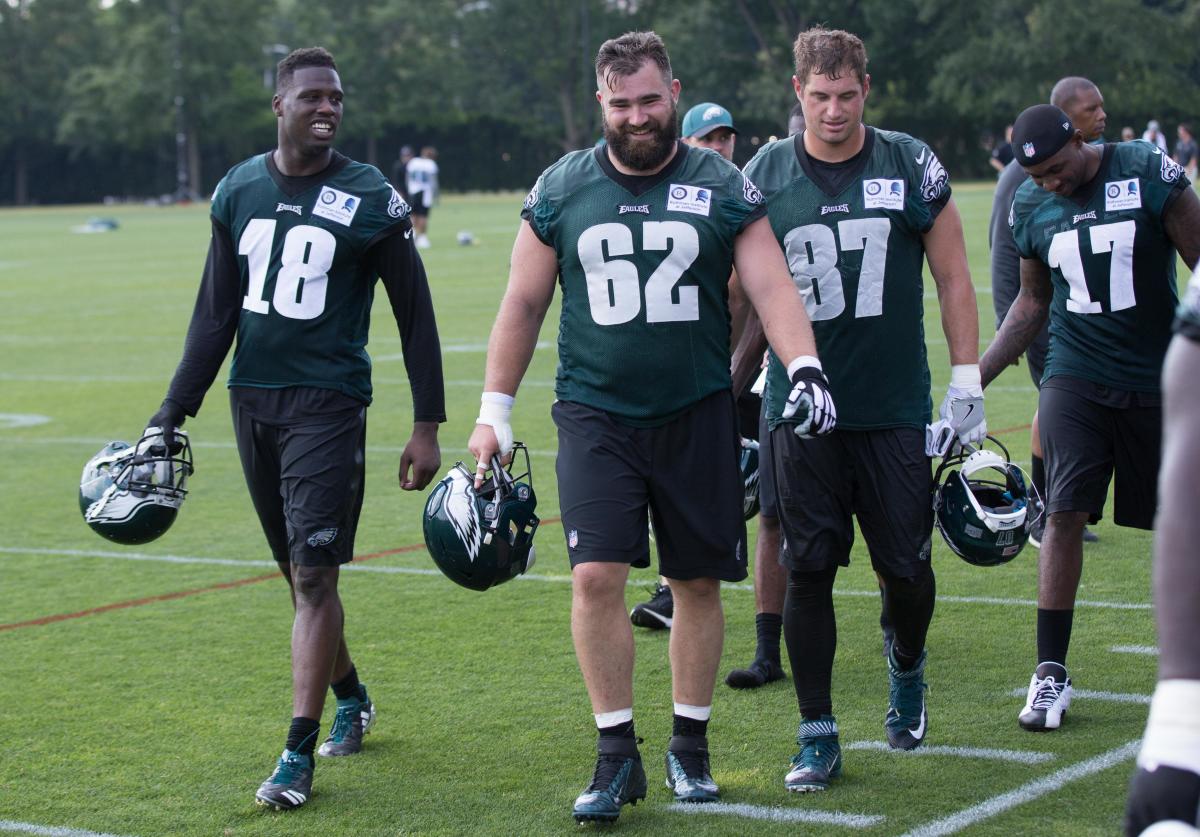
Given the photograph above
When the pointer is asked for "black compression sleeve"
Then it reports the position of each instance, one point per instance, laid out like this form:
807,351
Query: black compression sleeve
396,261
214,323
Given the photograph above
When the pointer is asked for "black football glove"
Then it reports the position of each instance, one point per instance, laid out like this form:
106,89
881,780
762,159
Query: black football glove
810,396
170,417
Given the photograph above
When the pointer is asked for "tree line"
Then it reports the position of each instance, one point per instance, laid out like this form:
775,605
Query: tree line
159,97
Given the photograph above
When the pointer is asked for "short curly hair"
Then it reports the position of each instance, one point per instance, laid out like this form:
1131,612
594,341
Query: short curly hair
830,53
299,59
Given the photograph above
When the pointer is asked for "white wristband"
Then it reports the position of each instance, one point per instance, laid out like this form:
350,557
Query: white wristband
495,408
1173,731
803,360
965,376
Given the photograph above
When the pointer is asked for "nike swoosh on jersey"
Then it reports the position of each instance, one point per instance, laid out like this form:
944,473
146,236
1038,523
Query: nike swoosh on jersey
920,158
408,233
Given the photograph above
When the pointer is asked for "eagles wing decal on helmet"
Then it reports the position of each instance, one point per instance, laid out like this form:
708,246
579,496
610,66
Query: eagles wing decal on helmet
463,513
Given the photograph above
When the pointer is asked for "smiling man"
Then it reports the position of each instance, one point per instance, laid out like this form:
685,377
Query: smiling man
299,236
641,234
858,211
1097,228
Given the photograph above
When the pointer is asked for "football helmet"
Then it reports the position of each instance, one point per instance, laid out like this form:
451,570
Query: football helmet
748,463
481,538
983,507
131,493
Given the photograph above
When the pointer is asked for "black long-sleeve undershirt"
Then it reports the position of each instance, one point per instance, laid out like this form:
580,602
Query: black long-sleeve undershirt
218,307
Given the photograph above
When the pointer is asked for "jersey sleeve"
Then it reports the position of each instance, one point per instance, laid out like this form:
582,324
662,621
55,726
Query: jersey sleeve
1018,223
1164,179
928,185
539,212
742,203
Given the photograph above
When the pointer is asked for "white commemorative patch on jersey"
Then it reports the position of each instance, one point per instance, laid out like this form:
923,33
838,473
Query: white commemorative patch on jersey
693,199
336,205
883,193
1169,170
1122,194
934,181
397,206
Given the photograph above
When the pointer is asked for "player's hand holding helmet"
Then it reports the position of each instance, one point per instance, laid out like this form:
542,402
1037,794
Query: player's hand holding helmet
961,415
168,419
131,494
482,537
810,398
983,507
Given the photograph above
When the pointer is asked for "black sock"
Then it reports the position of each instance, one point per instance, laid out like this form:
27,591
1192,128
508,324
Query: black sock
347,687
909,603
621,730
768,627
302,736
690,727
1037,470
1054,635
810,631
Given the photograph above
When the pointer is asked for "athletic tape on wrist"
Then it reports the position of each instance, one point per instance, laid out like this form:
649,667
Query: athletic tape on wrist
965,376
803,360
495,408
1173,731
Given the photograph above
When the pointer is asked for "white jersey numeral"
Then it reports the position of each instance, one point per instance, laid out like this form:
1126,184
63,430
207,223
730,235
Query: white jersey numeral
1104,238
812,254
614,288
302,278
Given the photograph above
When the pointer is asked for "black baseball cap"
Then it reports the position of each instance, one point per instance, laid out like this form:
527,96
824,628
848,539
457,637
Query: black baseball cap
1039,133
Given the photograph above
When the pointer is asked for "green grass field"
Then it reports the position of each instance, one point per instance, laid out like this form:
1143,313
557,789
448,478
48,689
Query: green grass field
160,701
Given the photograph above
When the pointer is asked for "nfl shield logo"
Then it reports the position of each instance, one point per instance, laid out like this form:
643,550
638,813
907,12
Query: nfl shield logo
1028,149
573,538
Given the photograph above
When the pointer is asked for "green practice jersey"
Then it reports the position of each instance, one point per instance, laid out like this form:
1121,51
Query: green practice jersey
644,265
307,287
856,255
1111,265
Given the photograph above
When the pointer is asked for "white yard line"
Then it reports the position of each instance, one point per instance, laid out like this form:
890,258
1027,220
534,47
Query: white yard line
989,753
48,830
1089,694
1026,793
775,813
1146,650
393,570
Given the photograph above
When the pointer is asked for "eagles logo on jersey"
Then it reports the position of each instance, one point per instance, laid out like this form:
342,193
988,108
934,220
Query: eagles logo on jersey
750,191
934,180
397,206
532,198
1168,168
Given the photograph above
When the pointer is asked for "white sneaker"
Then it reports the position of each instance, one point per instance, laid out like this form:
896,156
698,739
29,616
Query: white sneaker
1046,703
423,242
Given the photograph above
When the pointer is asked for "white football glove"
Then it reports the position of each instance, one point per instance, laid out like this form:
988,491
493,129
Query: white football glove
962,417
810,397
495,410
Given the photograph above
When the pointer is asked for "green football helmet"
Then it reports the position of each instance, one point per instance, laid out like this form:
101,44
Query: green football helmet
748,463
984,508
481,538
131,494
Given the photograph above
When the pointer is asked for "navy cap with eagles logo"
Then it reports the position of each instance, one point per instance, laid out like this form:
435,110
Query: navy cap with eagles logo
1039,133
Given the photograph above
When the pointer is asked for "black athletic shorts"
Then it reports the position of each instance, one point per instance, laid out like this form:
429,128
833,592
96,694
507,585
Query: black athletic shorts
302,452
766,468
1088,432
685,472
749,408
881,476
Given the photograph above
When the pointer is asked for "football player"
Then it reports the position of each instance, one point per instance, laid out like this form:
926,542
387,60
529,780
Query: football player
1166,784
299,236
642,233
1081,100
858,211
1097,228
